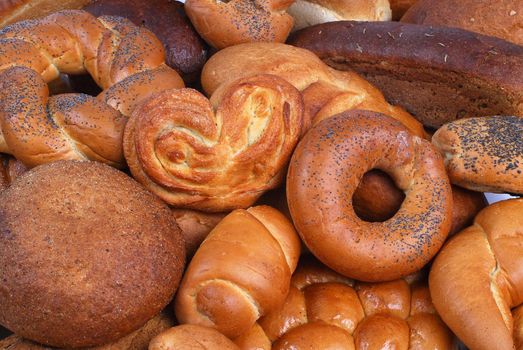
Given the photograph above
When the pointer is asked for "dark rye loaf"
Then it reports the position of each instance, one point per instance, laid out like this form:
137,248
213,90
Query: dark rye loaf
438,74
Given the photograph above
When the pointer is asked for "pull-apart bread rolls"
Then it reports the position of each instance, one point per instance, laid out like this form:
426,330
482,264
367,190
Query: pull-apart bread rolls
228,23
138,340
326,169
241,272
125,60
477,279
324,310
218,154
309,12
325,91
499,18
484,154
438,74
88,255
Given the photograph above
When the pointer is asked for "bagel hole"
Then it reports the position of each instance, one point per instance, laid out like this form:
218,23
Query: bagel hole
377,197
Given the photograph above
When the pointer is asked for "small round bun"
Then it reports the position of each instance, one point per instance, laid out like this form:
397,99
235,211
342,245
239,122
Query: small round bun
88,255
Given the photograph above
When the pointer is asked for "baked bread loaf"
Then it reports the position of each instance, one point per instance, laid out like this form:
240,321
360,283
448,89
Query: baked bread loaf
324,172
195,226
476,279
309,12
499,18
325,91
190,336
224,24
12,11
125,60
219,154
88,255
185,50
241,272
137,340
425,69
377,199
10,169
325,311
483,154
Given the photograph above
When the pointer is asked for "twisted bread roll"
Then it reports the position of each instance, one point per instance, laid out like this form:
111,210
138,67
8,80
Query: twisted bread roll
477,278
483,154
324,310
325,91
241,272
12,11
224,24
215,155
125,59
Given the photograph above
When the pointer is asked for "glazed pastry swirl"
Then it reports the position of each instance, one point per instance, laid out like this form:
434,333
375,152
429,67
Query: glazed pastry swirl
216,154
127,61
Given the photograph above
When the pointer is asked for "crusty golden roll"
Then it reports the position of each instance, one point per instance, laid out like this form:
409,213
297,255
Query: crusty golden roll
218,154
377,199
500,18
138,340
191,337
325,91
12,11
324,172
241,272
224,24
425,69
310,12
477,278
126,60
329,312
88,255
399,7
483,154
195,226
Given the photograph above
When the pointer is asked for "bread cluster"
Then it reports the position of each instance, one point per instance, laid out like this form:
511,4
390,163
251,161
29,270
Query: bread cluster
266,174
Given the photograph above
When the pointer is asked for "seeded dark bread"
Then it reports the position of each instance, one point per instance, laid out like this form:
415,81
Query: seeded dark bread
438,74
88,255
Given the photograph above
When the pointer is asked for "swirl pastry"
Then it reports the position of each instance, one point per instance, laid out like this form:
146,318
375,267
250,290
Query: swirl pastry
217,154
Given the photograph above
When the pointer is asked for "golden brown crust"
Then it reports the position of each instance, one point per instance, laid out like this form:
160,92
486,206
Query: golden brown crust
120,56
215,155
483,154
323,174
499,18
95,244
476,278
240,272
321,86
310,12
196,226
191,337
224,24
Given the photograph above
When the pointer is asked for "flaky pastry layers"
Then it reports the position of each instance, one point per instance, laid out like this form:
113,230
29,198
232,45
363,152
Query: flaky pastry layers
217,154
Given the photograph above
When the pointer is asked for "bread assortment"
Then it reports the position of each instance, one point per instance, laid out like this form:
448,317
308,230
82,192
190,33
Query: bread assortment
241,271
499,18
475,281
484,154
442,82
310,12
328,224
365,145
